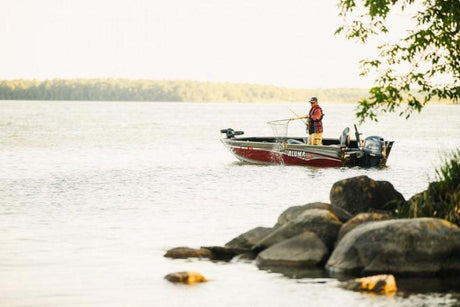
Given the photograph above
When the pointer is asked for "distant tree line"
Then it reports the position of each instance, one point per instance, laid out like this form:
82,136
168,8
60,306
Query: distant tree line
153,90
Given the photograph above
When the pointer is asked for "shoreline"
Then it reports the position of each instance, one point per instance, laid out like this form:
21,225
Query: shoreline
172,91
204,102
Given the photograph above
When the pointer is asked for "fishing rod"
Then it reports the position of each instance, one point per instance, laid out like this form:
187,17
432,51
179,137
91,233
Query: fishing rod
298,117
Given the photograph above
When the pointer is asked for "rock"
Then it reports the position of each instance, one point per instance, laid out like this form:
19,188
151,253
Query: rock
185,277
321,222
413,247
362,194
227,253
187,252
248,239
305,250
412,207
247,257
358,220
381,284
293,212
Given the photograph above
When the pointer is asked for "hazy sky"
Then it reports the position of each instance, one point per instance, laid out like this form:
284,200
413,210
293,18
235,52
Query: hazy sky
287,43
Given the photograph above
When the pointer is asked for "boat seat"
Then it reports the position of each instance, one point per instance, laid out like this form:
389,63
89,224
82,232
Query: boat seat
345,137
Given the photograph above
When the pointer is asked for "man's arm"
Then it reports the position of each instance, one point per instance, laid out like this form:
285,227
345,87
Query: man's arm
301,117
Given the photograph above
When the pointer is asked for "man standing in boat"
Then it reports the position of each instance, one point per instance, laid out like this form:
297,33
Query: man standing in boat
315,123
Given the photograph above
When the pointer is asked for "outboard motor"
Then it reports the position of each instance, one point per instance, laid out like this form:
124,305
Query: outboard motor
373,151
230,133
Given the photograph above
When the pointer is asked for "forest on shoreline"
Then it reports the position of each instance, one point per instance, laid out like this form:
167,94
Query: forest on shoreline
155,90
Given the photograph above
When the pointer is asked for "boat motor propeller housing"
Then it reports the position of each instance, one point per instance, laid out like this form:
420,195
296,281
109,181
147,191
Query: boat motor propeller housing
230,133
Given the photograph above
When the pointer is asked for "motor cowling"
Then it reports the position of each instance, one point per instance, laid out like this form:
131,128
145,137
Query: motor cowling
373,146
372,152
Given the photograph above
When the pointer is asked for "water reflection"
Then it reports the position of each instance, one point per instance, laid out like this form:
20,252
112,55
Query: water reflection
406,285
297,272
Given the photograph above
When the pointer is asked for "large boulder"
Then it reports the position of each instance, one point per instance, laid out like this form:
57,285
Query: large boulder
321,222
363,194
422,246
304,250
358,220
293,212
248,239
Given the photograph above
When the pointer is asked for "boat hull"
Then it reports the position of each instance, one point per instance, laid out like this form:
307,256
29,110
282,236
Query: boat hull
267,151
257,156
282,153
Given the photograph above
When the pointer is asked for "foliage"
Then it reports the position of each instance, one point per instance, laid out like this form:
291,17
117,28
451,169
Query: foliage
151,90
442,198
423,66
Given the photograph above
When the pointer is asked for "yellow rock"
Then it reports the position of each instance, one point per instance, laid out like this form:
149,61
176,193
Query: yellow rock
381,284
186,277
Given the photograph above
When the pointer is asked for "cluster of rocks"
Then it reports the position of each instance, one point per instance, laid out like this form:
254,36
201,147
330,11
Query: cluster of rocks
355,234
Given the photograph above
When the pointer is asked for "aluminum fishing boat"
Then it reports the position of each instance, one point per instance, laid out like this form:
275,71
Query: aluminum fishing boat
371,152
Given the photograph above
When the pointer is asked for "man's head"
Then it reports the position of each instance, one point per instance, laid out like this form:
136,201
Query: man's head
313,100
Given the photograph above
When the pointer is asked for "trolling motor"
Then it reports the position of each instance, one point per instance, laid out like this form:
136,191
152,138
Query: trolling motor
230,133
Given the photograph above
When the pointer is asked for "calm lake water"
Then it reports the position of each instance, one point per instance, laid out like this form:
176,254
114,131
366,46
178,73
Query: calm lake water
92,194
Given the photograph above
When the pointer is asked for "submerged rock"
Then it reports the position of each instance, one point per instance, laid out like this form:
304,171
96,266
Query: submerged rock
380,284
358,220
422,246
187,252
292,213
186,277
305,250
321,222
362,194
